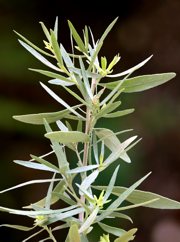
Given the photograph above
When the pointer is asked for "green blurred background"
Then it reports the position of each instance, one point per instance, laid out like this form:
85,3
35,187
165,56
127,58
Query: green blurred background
144,28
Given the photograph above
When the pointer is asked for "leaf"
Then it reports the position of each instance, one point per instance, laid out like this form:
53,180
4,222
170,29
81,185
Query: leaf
44,162
33,45
128,236
56,28
60,100
76,37
111,184
53,75
122,197
49,193
112,230
87,223
142,83
88,181
139,196
66,57
119,113
28,183
67,137
121,215
100,43
46,32
60,153
18,227
56,48
112,142
60,82
34,165
38,118
38,56
73,235
107,109
131,70
85,78
121,149
82,169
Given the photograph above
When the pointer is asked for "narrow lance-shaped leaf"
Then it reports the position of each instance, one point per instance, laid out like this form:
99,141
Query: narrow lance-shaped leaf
131,70
76,37
142,83
67,137
18,227
38,56
33,45
49,193
120,199
111,184
119,113
100,43
28,183
60,100
53,75
87,223
138,196
46,32
56,48
112,230
36,166
56,28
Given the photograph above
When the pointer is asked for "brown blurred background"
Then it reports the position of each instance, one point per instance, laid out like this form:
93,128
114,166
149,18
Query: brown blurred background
144,28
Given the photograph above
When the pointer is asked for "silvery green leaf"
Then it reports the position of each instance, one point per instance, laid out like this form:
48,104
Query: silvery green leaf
112,142
80,126
85,78
67,137
38,56
65,215
121,215
75,95
119,113
66,57
138,196
33,45
89,221
111,184
107,109
58,190
112,230
86,183
65,198
60,100
46,32
62,126
142,83
45,162
49,193
60,82
131,70
84,238
76,37
53,75
34,165
82,169
56,28
100,43
126,237
95,148
56,48
122,197
38,118
18,227
28,183
141,204
73,234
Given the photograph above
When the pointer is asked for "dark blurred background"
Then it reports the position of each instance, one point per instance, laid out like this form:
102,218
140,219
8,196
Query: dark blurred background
144,28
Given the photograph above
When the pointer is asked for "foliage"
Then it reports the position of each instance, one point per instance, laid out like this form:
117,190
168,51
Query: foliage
80,74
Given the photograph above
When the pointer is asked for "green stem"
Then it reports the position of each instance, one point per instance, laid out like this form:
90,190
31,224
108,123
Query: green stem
51,236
